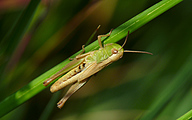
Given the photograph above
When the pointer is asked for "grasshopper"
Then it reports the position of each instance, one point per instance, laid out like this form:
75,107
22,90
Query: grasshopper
85,65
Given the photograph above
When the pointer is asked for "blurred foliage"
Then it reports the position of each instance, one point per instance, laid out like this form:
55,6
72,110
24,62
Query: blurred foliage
137,86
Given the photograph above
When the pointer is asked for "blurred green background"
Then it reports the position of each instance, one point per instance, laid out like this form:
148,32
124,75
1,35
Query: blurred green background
138,85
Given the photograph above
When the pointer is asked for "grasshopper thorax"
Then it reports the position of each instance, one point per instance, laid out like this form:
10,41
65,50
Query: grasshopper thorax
117,50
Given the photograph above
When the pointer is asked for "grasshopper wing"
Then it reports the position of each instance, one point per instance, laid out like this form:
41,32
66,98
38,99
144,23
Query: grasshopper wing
65,69
71,78
93,68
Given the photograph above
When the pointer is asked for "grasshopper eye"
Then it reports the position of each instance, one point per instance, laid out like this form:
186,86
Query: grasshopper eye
114,51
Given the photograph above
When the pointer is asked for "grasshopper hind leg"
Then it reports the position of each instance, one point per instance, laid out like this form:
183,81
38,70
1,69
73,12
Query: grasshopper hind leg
76,86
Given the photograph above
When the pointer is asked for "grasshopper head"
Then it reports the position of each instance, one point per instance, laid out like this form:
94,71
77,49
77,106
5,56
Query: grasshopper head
117,50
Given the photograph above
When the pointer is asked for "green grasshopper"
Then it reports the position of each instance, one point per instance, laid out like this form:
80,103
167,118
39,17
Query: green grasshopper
84,66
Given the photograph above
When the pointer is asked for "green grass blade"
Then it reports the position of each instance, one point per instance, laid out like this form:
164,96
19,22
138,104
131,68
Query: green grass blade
17,31
181,79
49,108
187,116
36,86
141,19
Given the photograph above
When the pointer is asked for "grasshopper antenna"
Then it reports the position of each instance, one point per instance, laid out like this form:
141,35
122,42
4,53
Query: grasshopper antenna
133,51
125,41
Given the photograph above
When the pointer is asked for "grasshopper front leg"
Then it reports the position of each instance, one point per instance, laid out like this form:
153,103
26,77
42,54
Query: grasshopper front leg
99,38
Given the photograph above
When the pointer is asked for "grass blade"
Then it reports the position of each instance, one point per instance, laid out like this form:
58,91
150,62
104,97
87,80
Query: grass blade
15,34
186,116
36,86
181,79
